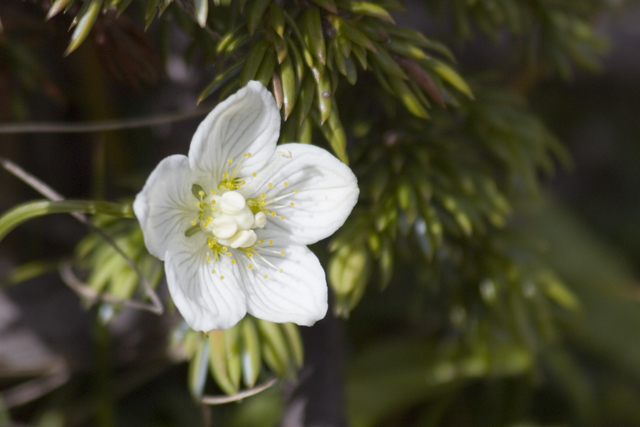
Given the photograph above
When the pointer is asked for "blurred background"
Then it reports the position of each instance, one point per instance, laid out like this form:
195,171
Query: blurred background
522,311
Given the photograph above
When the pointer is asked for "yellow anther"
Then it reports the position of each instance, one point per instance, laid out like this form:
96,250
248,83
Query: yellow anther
201,193
271,242
281,271
213,202
261,240
193,222
244,182
230,161
208,259
281,216
250,255
233,261
213,192
295,191
222,277
291,204
228,253
225,175
281,252
265,276
248,154
213,271
197,204
286,184
273,214
263,195
255,174
270,185
224,248
250,265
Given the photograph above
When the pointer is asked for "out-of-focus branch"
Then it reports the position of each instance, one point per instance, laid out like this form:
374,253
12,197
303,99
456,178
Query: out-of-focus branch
102,126
219,400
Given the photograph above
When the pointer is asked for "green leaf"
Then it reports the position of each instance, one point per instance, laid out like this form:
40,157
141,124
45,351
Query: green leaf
85,19
306,96
255,14
449,75
304,132
385,62
299,62
56,7
276,17
369,9
253,61
220,80
267,67
251,354
407,97
218,361
201,10
294,340
288,79
323,95
351,33
275,342
198,370
352,73
313,35
328,5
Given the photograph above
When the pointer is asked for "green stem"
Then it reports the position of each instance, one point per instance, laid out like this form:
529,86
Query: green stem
26,211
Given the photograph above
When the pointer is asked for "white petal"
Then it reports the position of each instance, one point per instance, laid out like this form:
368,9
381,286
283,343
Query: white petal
205,300
247,122
166,206
298,294
327,192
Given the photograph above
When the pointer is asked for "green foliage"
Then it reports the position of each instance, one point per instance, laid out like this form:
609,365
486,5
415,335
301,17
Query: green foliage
550,34
239,357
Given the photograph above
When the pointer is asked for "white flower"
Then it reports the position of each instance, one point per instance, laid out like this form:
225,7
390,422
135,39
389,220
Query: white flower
232,220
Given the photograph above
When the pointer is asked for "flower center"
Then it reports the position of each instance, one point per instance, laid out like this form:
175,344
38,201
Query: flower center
229,220
226,218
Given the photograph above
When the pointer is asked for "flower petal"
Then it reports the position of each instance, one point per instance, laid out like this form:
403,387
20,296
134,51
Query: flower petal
247,122
165,206
297,294
205,299
327,191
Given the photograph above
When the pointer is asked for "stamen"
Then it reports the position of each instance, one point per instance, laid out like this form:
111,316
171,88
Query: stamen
271,242
213,271
255,174
291,204
250,266
265,276
208,259
270,185
281,216
281,252
286,184
222,277
230,161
